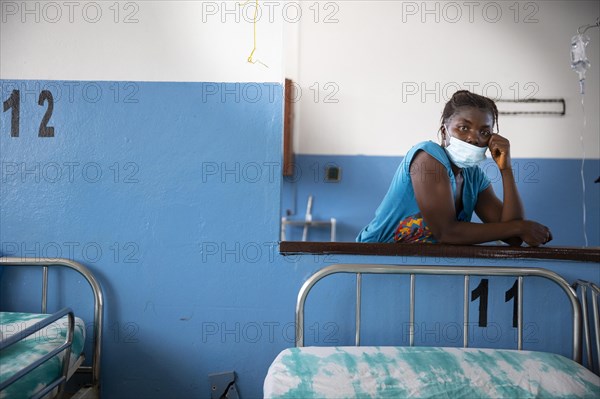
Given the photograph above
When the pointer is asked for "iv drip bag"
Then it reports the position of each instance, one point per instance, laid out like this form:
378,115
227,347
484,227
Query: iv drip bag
579,61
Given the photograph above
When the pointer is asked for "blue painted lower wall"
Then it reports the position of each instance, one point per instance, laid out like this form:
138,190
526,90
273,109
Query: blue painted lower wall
551,190
172,198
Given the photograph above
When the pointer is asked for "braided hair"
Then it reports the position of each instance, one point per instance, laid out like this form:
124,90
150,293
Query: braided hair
464,98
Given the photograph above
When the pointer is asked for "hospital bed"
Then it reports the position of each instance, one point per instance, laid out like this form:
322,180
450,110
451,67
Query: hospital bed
582,287
424,372
39,353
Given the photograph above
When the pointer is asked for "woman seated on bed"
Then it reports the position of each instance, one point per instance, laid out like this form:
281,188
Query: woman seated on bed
437,187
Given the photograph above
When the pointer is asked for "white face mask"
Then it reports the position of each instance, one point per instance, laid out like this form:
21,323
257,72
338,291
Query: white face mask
463,154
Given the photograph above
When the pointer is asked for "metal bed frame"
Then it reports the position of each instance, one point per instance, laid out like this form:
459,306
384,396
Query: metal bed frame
465,271
66,346
595,292
45,263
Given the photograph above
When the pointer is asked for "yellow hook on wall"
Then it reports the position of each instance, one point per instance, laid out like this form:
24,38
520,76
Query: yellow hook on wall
251,56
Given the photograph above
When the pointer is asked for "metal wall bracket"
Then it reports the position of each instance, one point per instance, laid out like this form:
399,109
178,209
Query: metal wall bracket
532,106
222,386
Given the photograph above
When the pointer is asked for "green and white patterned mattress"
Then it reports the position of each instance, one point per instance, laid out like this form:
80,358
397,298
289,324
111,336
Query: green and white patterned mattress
426,372
25,352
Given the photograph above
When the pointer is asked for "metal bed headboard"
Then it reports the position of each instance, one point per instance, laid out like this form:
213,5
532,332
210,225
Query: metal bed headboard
98,299
465,271
595,292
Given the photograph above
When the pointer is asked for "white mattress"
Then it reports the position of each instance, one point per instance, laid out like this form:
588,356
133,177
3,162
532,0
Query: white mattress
425,372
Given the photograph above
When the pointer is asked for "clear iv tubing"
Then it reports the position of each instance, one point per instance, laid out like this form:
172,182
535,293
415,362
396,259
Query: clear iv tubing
580,63
585,238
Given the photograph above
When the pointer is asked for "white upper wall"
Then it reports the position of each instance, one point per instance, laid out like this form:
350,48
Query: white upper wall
374,75
390,65
184,41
